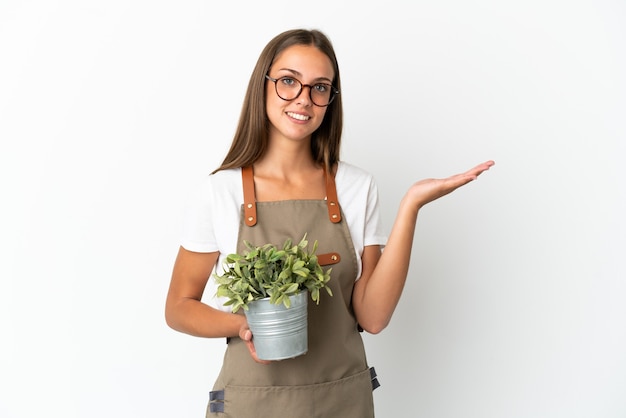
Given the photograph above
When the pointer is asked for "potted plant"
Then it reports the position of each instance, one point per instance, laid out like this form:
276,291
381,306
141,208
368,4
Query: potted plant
271,284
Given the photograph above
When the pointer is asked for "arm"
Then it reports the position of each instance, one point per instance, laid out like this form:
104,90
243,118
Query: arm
377,292
184,310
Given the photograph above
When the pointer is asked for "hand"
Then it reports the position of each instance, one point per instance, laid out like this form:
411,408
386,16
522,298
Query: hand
428,190
246,335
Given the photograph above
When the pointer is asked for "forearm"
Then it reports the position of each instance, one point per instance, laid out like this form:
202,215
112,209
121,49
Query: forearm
184,310
193,317
377,294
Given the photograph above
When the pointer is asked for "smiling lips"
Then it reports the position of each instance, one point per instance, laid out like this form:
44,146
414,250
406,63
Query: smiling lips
298,116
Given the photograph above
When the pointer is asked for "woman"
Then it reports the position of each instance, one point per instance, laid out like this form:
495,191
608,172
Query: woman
288,141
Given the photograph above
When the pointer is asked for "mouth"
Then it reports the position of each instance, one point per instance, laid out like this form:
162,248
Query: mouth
298,116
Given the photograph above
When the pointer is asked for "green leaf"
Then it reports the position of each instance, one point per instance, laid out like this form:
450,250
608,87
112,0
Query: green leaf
284,274
291,288
278,255
302,272
315,295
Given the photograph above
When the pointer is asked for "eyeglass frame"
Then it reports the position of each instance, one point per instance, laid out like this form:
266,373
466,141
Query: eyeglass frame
334,91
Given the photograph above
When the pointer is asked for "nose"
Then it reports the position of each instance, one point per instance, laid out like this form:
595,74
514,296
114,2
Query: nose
305,99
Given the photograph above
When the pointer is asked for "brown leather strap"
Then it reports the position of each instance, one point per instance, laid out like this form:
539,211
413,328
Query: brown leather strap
328,259
334,212
249,199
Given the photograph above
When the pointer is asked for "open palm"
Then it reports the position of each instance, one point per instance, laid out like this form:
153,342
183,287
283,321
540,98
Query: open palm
428,190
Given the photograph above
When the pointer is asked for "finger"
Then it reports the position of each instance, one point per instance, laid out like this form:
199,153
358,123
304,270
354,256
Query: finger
245,334
253,353
478,170
483,167
459,180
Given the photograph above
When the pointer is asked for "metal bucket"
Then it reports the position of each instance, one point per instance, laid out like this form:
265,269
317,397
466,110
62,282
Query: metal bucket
278,332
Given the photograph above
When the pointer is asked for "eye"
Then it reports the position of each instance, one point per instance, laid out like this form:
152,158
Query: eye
288,81
321,88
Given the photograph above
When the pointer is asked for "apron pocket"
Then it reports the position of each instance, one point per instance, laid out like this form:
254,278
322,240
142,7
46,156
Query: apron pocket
350,397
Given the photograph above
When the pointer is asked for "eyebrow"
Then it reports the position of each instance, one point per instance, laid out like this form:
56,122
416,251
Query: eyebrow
299,74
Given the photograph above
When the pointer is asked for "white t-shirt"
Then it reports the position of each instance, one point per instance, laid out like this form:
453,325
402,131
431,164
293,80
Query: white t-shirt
212,217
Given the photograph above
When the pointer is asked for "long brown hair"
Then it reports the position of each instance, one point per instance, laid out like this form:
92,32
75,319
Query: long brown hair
251,137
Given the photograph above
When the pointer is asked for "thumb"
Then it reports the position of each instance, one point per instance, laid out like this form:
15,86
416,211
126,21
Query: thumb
245,334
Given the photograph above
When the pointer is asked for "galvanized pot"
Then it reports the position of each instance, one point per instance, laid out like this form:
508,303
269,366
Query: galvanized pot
278,332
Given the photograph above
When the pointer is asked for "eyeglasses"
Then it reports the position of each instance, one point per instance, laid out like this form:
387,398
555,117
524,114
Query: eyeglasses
288,88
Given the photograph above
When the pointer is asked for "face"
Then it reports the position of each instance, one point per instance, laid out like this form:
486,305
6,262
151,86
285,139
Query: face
297,119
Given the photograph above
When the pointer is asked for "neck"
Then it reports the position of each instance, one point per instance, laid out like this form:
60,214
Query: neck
288,176
286,160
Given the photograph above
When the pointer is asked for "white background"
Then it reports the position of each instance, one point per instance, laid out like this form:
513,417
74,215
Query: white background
111,111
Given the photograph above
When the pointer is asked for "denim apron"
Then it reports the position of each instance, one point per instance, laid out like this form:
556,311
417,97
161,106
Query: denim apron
332,379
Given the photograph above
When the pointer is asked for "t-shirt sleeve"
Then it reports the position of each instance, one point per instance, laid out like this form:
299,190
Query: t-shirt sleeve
374,232
198,232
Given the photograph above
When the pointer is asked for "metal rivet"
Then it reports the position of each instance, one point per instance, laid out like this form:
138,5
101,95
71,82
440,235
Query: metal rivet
251,218
333,257
334,216
249,205
332,203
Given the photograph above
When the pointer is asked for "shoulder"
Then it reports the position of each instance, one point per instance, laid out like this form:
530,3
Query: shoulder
348,168
221,185
349,175
225,177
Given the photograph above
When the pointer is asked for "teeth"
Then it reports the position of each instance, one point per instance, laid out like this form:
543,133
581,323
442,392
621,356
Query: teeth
297,116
